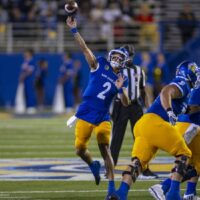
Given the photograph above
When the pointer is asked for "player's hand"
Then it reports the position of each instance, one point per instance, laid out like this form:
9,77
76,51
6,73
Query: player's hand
172,117
71,22
120,81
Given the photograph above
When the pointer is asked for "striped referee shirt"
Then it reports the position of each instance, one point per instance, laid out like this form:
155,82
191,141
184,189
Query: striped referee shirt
136,81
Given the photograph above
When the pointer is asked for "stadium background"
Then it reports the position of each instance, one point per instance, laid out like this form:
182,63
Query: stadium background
28,140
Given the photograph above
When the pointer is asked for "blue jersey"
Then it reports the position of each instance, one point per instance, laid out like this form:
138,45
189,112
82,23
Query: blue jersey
195,97
99,93
193,118
67,69
179,105
28,66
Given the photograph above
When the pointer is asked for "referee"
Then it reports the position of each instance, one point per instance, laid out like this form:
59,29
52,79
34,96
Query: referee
121,114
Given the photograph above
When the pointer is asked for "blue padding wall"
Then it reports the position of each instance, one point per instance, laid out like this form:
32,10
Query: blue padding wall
10,65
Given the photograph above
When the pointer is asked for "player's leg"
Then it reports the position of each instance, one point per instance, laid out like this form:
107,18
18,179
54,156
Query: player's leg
103,138
83,131
158,191
120,120
192,183
179,149
141,155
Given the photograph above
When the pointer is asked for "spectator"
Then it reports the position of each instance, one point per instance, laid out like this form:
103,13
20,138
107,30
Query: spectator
147,66
148,29
3,21
127,10
41,75
186,23
67,74
49,22
160,73
112,12
17,18
27,77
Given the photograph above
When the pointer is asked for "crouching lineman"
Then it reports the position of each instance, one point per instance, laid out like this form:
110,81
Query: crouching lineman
155,130
188,126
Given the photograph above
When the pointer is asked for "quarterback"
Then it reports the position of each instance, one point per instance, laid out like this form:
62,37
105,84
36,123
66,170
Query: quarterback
106,80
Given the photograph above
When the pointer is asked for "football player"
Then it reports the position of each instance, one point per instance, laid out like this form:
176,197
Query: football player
188,126
155,130
106,80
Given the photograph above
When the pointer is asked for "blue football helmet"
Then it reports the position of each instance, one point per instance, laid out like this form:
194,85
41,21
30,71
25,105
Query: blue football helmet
118,57
188,70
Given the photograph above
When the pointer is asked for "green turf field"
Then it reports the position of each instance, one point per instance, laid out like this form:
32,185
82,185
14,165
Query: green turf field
49,138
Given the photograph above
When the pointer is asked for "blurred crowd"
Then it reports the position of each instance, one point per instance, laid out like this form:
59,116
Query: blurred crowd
46,10
95,15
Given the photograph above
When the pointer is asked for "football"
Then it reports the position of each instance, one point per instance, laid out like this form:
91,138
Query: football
71,7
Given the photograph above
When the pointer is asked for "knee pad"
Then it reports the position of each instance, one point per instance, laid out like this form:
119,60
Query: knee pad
135,169
190,173
181,166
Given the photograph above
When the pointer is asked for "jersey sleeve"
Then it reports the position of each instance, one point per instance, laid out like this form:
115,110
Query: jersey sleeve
100,60
181,85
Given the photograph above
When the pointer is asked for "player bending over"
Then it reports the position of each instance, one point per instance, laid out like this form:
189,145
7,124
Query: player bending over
155,130
188,126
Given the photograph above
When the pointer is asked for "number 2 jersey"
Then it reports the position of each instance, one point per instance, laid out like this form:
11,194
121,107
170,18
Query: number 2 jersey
179,105
99,93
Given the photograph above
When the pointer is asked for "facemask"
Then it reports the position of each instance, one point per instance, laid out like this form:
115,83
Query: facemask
114,64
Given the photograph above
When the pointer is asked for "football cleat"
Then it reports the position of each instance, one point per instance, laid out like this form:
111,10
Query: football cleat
190,197
95,168
157,192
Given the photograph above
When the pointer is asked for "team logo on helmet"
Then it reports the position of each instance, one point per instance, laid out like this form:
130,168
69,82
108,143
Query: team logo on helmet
193,67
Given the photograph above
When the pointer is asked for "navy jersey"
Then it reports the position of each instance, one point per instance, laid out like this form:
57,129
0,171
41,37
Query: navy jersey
99,93
179,105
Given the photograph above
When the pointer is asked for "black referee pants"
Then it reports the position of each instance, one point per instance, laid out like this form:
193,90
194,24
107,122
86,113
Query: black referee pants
120,116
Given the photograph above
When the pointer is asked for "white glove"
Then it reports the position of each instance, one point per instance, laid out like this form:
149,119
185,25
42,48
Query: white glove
190,133
71,121
172,117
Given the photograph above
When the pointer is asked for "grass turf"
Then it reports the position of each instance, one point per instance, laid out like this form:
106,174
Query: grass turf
50,138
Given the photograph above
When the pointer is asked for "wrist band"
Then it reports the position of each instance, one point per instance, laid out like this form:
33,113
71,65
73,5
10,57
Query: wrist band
169,109
74,31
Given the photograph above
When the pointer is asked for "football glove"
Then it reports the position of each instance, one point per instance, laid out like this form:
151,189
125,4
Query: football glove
172,117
